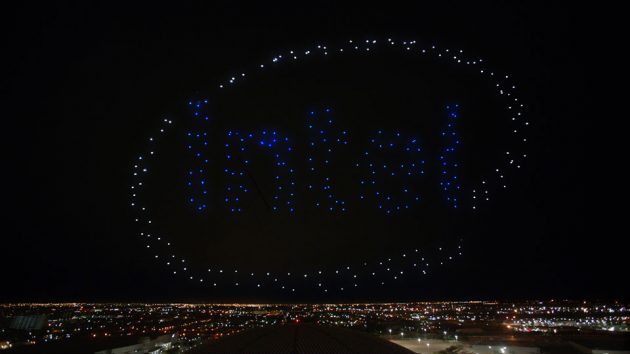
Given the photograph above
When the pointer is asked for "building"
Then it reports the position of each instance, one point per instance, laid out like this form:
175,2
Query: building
28,323
145,345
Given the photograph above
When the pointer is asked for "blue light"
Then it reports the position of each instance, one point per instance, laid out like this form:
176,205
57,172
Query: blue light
246,147
196,144
449,183
394,163
319,155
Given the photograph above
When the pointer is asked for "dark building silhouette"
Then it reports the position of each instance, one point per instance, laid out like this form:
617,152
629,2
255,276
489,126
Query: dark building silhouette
301,338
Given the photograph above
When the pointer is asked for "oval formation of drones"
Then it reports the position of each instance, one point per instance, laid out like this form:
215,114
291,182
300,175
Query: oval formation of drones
325,139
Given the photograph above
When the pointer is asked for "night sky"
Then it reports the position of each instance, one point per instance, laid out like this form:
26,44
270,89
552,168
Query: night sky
87,84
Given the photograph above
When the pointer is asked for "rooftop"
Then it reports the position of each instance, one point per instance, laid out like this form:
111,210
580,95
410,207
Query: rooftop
301,338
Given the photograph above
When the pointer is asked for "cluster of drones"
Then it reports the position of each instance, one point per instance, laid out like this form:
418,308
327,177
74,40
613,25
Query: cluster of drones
323,141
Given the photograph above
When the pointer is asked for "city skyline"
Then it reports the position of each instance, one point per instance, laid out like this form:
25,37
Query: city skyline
480,326
318,177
